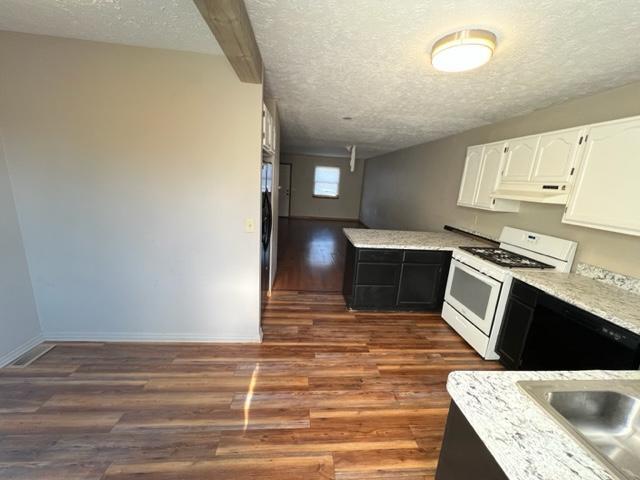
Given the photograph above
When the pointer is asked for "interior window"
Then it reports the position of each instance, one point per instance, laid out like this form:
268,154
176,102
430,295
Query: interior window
326,182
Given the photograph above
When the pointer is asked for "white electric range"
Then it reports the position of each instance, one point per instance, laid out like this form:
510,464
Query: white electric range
480,280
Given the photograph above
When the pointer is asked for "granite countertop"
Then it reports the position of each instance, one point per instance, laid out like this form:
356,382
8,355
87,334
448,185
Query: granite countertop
405,240
614,304
527,442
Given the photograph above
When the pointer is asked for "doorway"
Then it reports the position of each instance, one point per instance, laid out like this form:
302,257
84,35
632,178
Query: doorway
284,190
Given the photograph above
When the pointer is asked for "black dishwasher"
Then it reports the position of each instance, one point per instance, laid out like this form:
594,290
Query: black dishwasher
559,336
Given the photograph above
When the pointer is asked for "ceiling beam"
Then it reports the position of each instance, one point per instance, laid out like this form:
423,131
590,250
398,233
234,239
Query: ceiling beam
229,22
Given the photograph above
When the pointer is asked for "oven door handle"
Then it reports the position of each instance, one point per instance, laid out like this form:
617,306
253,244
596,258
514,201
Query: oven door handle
475,273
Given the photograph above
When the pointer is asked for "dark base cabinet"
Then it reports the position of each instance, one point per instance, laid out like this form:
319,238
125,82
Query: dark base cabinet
542,332
383,279
463,454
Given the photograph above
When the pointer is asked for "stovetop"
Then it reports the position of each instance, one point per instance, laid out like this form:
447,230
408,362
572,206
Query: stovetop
505,258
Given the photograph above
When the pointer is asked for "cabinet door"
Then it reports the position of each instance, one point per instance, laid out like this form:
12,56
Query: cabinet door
470,176
377,273
513,333
606,194
490,169
349,269
419,284
556,156
374,296
519,159
463,454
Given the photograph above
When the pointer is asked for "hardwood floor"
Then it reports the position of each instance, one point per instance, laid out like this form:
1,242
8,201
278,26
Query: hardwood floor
311,254
329,394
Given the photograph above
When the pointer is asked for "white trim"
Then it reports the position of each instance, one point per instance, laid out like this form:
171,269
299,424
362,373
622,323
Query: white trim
146,337
7,358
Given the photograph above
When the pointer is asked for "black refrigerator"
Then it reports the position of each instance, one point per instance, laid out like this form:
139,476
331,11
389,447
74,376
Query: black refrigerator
266,187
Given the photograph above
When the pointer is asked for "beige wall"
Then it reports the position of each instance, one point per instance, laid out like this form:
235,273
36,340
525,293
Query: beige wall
417,188
134,170
304,204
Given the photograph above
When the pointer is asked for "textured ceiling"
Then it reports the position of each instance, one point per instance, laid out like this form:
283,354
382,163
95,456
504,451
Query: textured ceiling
171,24
369,59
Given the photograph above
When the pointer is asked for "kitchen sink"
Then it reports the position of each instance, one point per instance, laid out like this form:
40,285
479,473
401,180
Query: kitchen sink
604,416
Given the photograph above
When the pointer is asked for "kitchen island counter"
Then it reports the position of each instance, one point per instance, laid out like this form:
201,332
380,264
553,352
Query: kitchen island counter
408,240
524,440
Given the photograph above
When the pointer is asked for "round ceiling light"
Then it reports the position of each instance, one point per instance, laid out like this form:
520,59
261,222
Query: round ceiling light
463,50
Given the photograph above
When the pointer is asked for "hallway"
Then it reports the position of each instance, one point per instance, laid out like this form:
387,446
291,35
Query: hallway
311,254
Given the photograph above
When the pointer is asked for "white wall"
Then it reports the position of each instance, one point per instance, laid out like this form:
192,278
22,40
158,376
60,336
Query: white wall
19,326
417,187
133,172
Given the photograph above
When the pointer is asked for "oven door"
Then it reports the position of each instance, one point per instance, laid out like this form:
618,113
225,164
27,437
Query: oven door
473,294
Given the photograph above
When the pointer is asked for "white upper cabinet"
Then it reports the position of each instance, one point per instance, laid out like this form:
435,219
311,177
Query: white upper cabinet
520,155
268,131
470,176
491,166
539,168
556,156
606,192
480,177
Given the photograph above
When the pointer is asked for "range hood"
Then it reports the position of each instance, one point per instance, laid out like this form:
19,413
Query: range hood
550,194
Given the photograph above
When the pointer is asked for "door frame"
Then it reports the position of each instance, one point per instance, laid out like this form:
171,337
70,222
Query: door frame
290,191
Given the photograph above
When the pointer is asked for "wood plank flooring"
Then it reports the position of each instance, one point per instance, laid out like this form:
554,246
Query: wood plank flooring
330,394
311,254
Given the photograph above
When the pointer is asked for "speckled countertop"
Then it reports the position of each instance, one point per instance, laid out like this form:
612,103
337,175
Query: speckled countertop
614,304
527,443
406,240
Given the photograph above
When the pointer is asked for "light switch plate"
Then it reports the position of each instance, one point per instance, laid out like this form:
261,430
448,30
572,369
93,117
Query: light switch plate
249,225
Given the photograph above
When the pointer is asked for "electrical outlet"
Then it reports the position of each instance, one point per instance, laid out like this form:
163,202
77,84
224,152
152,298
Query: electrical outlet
249,225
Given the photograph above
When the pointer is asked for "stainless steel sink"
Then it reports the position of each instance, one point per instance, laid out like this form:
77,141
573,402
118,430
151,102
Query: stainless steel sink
604,416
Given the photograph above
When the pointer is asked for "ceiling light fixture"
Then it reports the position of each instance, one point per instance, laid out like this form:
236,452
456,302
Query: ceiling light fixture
463,50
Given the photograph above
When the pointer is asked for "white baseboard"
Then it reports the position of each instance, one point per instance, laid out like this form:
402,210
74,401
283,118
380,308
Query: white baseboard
145,337
7,358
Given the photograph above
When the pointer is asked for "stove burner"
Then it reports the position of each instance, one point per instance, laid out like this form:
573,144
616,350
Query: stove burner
504,258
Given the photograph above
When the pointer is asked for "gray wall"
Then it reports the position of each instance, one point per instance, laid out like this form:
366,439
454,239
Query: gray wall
19,325
417,187
134,170
303,203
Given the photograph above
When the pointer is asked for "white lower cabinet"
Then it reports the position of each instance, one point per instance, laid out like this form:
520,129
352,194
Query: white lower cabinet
606,192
